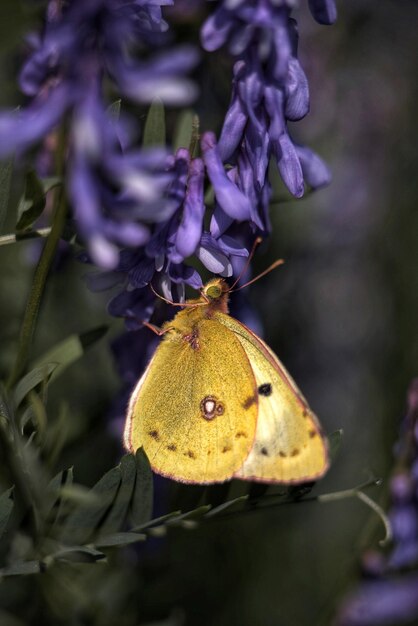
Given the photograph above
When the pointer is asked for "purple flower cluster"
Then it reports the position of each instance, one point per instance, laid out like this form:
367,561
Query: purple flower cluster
181,235
389,592
142,212
115,191
270,88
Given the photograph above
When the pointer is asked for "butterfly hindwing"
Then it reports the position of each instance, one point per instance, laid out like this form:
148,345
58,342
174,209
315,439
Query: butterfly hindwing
289,446
195,409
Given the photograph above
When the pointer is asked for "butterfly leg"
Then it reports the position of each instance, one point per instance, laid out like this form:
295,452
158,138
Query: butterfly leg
156,330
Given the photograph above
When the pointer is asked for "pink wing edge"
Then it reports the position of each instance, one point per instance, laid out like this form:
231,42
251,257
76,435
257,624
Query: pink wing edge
289,382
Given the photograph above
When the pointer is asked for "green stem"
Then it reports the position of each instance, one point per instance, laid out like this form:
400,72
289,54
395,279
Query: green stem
6,240
38,287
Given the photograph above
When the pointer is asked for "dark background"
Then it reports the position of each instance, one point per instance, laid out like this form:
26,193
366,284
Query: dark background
341,314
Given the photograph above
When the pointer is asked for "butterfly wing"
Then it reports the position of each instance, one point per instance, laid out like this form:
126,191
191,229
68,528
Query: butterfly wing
289,446
195,409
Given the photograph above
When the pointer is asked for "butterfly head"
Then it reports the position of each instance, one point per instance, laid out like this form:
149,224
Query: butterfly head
215,289
215,294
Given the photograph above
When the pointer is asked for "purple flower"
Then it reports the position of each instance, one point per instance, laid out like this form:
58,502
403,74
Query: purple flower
269,89
162,260
392,597
116,192
381,602
324,11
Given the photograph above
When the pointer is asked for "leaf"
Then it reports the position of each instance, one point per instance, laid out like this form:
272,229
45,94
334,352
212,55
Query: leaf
6,506
32,203
50,182
118,513
56,485
6,170
80,495
155,522
334,442
76,554
113,110
154,130
21,568
86,519
142,499
226,505
35,377
184,130
119,539
36,413
70,349
189,515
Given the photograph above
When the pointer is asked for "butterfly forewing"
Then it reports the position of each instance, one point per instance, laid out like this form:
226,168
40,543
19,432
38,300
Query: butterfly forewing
195,409
289,446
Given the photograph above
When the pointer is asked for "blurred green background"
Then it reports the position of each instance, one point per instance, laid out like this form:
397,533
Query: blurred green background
341,314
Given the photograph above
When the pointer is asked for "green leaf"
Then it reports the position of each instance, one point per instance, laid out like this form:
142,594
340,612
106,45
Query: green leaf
56,485
21,568
50,182
82,524
113,110
154,130
334,443
119,511
156,521
32,203
119,539
37,376
142,500
184,129
6,506
70,349
6,170
189,515
226,505
35,413
82,496
76,554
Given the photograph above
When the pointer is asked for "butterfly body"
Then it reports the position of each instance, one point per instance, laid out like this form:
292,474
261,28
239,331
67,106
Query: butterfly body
215,402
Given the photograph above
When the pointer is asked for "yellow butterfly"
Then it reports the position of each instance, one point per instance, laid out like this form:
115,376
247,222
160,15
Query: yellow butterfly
216,403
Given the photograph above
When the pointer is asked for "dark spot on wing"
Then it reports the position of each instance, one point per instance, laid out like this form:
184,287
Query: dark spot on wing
305,413
240,434
193,338
312,433
295,452
172,447
249,402
283,454
264,451
190,454
265,389
226,449
154,434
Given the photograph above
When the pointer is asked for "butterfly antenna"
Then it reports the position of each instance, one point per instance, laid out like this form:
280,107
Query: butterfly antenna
266,271
256,243
182,304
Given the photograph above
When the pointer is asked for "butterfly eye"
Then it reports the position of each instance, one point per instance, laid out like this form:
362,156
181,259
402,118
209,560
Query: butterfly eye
213,292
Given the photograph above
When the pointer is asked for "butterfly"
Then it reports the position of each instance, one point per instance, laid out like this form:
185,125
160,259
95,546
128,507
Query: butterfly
216,403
